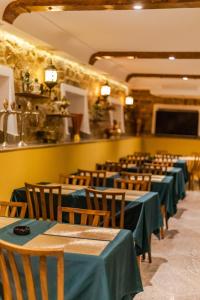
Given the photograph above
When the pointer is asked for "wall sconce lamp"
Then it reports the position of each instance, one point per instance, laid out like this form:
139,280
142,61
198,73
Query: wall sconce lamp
129,100
51,77
105,90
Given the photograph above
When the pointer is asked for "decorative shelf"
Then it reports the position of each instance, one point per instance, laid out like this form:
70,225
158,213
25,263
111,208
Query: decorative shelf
31,96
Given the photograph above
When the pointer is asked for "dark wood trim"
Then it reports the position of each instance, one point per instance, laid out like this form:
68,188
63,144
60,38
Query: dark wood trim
16,8
143,55
149,75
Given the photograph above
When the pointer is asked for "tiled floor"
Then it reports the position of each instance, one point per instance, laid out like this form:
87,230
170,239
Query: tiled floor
175,271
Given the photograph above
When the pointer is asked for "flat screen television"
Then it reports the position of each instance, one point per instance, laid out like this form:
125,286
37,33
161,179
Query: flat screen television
177,122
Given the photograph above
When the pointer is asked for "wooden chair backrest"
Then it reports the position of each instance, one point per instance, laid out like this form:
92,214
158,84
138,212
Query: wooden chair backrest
87,217
13,209
97,178
155,169
40,199
138,177
129,184
138,160
113,166
76,180
110,167
8,264
106,201
164,162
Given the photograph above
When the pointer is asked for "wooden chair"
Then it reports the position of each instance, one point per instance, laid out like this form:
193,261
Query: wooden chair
129,184
137,160
76,179
13,209
155,169
41,198
107,201
97,178
110,166
138,177
87,217
9,266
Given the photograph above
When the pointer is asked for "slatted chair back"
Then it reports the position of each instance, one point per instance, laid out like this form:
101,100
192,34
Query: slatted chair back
13,209
76,180
97,178
138,177
42,200
9,266
113,166
155,169
164,162
87,217
129,184
108,201
137,160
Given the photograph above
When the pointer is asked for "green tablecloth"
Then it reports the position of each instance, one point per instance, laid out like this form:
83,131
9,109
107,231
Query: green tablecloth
142,216
183,165
179,183
165,189
113,275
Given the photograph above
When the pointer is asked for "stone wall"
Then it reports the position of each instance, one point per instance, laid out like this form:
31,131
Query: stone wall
21,56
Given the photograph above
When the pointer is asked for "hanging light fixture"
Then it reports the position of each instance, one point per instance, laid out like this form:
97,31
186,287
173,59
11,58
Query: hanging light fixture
105,90
51,76
129,100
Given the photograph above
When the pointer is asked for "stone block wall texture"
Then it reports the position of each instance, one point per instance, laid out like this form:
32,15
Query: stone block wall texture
20,55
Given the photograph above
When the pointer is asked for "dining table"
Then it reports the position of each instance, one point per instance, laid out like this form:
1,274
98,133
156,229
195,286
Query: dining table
99,263
142,210
177,173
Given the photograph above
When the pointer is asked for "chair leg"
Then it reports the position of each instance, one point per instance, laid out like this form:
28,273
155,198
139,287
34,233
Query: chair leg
162,235
149,252
139,261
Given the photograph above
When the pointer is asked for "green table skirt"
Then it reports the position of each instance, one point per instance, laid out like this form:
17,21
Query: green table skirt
113,275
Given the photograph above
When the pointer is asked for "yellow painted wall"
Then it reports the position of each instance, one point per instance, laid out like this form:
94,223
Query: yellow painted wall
173,145
45,164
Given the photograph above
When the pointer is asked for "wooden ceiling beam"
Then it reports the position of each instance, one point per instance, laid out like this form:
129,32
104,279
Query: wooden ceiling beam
142,55
153,75
18,7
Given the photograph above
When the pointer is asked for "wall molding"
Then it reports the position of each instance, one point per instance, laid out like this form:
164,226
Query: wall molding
142,55
18,7
151,75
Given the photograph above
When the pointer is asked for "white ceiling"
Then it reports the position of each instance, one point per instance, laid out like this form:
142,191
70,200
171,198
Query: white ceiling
80,34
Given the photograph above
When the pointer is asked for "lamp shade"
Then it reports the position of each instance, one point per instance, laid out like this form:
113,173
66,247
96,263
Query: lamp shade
105,90
51,76
129,100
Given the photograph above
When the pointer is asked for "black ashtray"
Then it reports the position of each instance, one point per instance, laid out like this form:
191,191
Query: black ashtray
22,230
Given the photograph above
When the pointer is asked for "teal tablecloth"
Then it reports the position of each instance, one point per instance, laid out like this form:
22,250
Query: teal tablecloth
142,216
113,275
183,165
179,183
165,189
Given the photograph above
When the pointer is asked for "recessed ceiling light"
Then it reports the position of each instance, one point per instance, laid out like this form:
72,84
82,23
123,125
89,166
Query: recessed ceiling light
130,57
107,57
185,78
172,57
137,6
